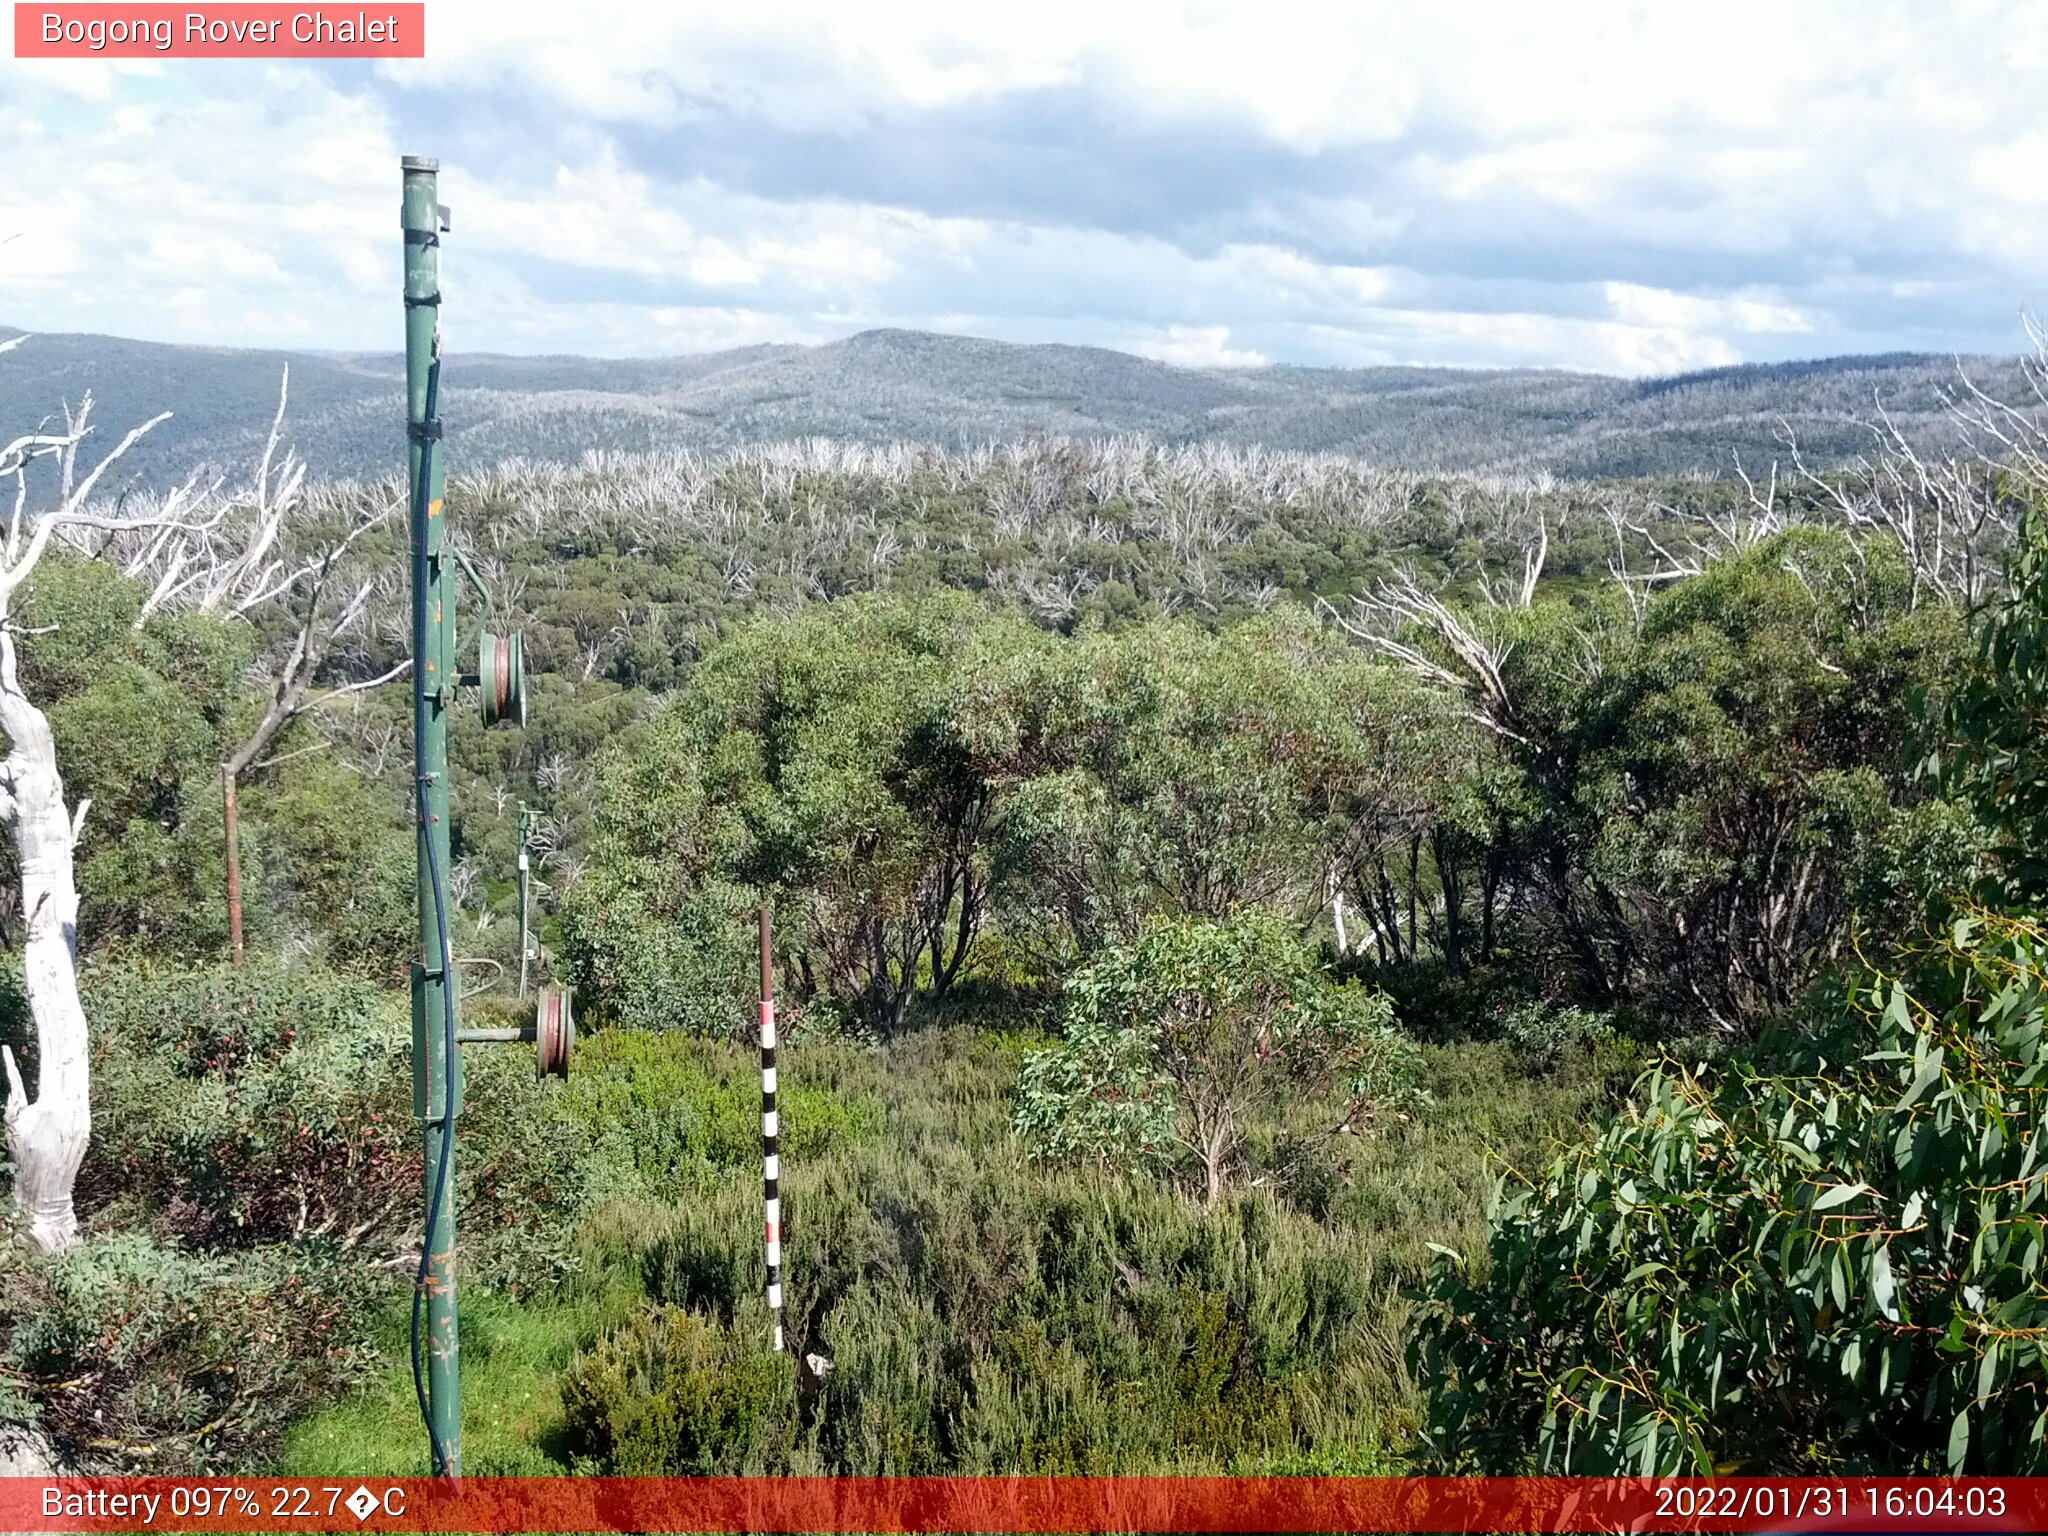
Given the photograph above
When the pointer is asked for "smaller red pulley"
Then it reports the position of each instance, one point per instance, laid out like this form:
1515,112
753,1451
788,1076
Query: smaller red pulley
554,1032
501,678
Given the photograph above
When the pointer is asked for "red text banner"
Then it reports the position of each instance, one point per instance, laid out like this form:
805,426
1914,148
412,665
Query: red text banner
893,1504
118,31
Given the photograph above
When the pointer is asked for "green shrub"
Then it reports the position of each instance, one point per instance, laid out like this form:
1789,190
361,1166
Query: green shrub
1830,1265
1544,1031
984,1316
143,1358
1993,755
526,1173
337,866
217,1020
643,960
252,1104
669,1394
1178,1042
667,1113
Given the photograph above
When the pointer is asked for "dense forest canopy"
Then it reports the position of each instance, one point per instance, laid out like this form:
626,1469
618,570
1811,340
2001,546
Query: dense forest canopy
1198,871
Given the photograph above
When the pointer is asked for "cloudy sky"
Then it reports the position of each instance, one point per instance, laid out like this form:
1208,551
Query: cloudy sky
1631,188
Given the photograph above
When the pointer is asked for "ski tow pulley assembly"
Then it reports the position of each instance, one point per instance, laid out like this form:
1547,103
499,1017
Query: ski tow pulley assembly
501,678
436,975
500,675
553,1033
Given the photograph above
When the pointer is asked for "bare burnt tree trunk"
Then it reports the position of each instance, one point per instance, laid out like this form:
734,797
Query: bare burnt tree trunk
46,1135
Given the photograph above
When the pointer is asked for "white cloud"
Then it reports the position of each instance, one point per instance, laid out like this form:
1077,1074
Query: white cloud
176,256
1660,308
1635,189
1198,346
1514,339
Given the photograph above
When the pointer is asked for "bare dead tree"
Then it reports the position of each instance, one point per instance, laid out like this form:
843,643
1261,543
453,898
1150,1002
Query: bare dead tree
320,625
1949,515
1532,563
1637,585
1534,554
1399,608
47,1134
274,546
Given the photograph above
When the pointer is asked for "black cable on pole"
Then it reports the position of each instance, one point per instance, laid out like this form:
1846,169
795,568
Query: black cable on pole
421,782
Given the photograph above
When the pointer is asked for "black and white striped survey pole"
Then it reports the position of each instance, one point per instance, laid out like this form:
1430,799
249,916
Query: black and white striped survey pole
771,1159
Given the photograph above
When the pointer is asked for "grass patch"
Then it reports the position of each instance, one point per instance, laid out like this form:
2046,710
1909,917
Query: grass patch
513,1356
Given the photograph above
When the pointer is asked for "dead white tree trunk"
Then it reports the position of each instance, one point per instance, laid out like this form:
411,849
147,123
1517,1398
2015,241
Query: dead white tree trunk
45,1137
1477,657
47,1134
1335,889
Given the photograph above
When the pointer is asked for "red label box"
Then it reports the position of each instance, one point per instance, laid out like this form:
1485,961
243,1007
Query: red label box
119,31
1758,1506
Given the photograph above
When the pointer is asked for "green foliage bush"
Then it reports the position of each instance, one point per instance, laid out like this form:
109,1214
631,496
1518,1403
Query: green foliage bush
1832,1264
143,715
1828,1256
670,1395
1543,1031
665,1115
983,1318
1671,820
1164,769
1993,751
987,1313
330,861
147,1358
242,1105
138,716
650,956
527,1174
1702,799
252,1104
813,758
1178,1041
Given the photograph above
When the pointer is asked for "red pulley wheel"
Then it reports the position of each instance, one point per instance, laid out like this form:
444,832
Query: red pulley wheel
554,1032
501,678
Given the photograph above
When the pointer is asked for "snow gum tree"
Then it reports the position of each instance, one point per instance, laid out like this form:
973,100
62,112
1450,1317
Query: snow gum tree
47,1131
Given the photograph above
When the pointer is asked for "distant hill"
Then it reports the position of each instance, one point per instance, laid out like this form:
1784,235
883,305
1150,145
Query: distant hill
956,391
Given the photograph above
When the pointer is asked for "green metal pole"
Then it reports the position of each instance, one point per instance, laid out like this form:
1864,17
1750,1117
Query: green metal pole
437,1090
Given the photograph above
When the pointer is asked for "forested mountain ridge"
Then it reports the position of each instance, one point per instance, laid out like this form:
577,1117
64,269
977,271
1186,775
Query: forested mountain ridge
955,391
